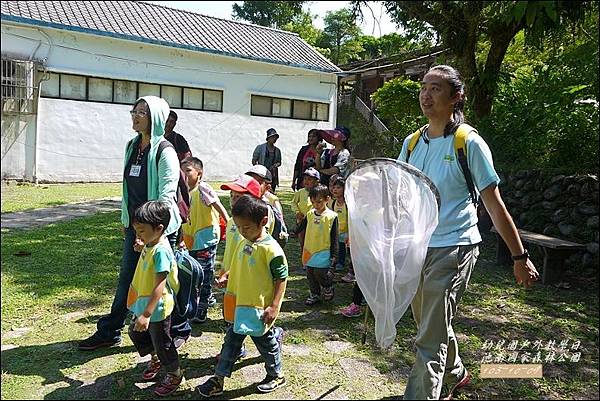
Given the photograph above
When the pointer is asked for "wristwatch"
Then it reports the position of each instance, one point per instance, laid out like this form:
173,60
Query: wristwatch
523,256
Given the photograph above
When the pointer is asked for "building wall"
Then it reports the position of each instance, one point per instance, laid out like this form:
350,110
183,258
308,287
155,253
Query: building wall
84,141
18,146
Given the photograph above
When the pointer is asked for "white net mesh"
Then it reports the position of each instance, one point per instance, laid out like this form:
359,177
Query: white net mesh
392,212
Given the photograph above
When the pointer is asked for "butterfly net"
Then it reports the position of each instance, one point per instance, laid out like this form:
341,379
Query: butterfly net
392,212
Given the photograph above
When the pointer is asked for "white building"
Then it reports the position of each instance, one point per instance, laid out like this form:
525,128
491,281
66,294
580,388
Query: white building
71,71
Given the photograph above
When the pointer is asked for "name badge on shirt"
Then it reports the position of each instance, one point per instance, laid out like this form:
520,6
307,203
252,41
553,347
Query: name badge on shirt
135,170
248,249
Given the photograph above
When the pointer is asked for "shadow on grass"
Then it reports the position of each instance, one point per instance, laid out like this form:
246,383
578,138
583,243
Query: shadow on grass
55,357
83,253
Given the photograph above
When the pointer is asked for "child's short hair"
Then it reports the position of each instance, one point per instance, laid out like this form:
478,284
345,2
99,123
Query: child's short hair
339,181
248,207
153,213
319,191
194,162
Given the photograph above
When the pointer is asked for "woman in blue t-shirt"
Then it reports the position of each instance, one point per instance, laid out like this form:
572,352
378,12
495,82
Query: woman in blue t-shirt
453,250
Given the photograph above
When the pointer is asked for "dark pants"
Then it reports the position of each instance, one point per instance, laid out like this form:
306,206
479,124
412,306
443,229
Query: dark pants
109,326
341,259
317,278
156,340
267,345
357,295
206,258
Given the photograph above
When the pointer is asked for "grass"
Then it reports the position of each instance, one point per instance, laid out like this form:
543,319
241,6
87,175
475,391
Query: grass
20,196
52,298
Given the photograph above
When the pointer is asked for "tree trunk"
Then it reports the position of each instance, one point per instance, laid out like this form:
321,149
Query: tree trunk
484,83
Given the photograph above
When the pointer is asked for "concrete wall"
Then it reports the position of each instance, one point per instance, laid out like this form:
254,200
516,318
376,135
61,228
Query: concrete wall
18,146
84,141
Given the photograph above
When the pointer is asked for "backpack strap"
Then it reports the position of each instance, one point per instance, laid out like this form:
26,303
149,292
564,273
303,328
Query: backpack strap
414,140
460,148
183,194
161,146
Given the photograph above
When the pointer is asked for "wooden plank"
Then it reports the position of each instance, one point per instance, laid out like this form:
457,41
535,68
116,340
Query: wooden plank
545,241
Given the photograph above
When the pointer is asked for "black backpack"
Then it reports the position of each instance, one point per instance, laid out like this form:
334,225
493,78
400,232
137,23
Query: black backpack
183,192
190,275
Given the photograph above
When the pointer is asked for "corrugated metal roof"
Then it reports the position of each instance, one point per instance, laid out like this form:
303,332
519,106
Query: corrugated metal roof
151,23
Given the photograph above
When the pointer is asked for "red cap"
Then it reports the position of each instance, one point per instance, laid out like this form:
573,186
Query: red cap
244,184
328,135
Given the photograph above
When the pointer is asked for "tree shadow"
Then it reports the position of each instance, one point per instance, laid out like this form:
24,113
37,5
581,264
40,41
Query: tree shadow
50,361
54,357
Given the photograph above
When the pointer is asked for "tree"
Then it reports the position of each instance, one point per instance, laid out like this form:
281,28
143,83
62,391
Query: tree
342,36
462,25
302,24
273,14
386,45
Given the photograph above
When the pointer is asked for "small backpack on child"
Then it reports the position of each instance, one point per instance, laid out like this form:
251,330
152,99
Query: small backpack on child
190,275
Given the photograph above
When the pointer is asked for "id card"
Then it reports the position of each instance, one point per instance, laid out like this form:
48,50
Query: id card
248,249
135,170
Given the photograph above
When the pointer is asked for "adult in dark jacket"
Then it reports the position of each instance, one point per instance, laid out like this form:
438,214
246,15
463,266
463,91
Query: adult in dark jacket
305,159
269,155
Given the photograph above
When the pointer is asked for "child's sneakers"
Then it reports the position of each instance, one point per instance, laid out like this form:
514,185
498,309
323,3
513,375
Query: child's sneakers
271,383
349,278
212,301
212,387
328,294
169,385
312,299
151,370
200,316
352,310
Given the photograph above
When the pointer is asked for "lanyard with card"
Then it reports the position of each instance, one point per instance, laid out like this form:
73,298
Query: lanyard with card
135,170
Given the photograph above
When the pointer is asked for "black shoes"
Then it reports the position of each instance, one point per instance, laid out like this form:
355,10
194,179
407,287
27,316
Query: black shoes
94,342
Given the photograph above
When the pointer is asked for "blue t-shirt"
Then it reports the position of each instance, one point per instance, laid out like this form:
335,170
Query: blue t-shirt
437,159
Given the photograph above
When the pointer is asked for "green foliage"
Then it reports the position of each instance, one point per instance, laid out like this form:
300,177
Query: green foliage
547,106
342,36
273,14
303,26
397,104
461,25
386,45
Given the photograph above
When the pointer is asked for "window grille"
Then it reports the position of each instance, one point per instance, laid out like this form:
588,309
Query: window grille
19,89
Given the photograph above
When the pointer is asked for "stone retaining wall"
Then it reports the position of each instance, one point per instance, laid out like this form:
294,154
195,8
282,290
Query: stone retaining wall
563,206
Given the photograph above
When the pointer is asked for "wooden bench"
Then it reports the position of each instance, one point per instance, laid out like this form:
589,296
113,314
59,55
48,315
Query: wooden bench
555,251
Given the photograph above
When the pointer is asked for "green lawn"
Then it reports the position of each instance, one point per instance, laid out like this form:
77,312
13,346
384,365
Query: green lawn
53,297
17,197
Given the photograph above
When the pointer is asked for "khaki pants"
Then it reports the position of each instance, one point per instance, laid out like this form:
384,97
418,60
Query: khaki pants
444,278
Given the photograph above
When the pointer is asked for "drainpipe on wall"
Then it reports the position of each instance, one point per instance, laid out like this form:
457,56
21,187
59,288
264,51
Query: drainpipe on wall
37,100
